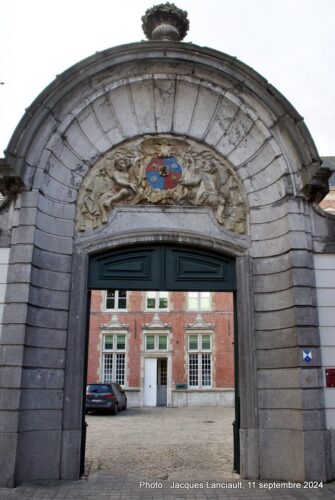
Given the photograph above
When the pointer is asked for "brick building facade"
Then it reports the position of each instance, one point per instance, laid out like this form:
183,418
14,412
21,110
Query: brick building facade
165,348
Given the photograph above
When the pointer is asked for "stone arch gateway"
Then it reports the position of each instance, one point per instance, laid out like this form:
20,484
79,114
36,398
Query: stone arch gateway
255,175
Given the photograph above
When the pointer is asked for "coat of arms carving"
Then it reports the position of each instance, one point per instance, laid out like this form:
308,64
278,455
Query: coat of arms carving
162,170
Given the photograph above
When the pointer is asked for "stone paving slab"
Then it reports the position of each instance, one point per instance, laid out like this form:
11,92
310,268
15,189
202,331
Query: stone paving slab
134,455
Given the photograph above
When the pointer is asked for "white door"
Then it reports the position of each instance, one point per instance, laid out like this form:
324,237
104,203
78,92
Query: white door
150,382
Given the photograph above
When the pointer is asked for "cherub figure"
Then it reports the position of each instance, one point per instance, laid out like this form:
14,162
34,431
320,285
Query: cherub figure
123,187
90,206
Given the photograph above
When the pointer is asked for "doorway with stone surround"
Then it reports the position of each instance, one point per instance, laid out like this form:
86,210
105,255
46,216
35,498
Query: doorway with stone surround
163,143
170,266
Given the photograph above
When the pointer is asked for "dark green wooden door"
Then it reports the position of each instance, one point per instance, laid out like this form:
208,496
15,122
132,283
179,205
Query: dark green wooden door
162,267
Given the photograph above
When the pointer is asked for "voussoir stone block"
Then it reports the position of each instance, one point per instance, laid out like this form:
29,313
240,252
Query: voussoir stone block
141,93
249,147
79,142
121,104
163,97
276,300
50,279
266,196
53,242
55,225
50,261
45,337
221,122
204,110
107,121
61,210
47,318
69,177
53,189
267,155
55,299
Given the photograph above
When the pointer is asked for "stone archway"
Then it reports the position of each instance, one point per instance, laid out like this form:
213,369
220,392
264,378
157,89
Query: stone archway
161,90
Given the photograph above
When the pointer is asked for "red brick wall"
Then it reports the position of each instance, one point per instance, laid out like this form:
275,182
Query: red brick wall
221,317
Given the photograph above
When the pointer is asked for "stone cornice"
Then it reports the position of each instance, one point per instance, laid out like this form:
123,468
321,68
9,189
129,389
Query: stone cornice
10,183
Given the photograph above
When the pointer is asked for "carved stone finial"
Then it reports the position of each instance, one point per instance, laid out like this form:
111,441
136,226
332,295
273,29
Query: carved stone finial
165,22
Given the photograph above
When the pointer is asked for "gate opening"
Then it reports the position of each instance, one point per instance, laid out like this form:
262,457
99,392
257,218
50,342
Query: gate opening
169,349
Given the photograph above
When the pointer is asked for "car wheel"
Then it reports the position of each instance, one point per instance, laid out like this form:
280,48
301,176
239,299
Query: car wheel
125,406
115,410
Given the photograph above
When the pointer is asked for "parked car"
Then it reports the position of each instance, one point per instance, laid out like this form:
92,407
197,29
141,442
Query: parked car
109,397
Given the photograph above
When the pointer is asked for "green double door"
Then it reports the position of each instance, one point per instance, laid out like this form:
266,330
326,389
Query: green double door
162,267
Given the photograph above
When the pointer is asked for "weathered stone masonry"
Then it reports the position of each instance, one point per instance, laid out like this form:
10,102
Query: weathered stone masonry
185,91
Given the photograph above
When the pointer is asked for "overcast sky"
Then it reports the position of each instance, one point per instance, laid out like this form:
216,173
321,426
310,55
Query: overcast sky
289,42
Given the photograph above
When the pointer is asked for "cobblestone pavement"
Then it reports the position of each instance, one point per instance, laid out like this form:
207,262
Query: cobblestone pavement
159,453
163,443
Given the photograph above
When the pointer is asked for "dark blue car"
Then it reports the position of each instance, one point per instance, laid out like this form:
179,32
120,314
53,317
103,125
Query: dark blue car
110,397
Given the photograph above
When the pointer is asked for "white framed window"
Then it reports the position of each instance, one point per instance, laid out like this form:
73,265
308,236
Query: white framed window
113,358
115,300
199,301
155,342
157,301
199,360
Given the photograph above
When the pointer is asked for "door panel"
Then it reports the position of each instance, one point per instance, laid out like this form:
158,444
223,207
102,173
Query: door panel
162,267
150,382
188,269
130,269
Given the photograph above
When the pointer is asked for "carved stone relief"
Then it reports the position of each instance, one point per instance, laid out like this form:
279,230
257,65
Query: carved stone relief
162,170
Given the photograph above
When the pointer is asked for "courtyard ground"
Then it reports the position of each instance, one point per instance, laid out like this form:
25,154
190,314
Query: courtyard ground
174,444
163,453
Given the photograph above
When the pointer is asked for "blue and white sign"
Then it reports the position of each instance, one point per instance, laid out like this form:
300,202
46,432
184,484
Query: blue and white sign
307,356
